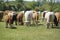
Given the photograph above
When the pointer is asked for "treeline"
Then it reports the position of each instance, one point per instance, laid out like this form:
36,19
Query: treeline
23,5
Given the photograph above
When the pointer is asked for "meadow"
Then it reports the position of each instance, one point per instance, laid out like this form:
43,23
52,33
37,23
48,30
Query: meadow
32,32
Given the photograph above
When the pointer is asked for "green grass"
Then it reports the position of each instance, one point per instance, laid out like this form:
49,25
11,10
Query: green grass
29,33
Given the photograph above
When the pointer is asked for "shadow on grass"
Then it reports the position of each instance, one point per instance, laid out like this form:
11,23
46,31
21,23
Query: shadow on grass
1,21
56,27
33,25
40,24
13,27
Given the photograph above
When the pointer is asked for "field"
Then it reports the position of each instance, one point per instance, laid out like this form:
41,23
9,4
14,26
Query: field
32,32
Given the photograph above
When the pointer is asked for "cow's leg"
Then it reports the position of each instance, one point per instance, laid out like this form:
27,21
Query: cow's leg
15,19
15,22
36,22
29,23
11,23
21,21
48,24
43,19
51,25
6,25
18,21
33,21
26,23
11,26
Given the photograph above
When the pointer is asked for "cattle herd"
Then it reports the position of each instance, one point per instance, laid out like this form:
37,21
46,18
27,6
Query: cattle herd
29,17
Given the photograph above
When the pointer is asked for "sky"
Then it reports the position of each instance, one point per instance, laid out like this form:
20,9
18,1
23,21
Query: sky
9,0
24,0
36,0
31,0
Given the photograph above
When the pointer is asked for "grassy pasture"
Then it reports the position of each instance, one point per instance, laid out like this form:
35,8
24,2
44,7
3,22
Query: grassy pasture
33,32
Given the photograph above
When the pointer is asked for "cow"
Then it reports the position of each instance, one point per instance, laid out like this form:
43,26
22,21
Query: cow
57,15
43,15
10,18
35,17
31,15
20,17
1,15
28,17
49,17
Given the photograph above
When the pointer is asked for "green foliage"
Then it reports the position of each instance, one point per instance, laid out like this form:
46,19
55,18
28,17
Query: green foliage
45,7
23,5
30,5
56,7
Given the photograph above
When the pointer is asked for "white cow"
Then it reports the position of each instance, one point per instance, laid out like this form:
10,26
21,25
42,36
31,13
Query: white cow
49,16
28,17
43,15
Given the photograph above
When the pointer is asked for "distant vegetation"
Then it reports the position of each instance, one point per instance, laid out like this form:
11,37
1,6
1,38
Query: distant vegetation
24,5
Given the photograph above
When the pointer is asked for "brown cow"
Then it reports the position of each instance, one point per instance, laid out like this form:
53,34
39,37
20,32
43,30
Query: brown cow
10,18
35,17
20,18
57,14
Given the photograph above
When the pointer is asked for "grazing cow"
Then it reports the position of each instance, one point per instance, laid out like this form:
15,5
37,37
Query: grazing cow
28,17
35,17
57,14
1,15
20,18
31,15
43,15
49,16
10,18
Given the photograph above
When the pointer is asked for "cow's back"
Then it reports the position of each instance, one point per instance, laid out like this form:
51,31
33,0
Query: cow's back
49,16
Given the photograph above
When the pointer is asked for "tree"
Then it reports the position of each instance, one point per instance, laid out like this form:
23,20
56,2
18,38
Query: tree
19,1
